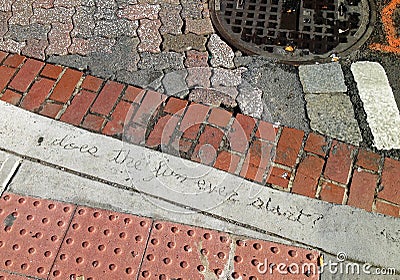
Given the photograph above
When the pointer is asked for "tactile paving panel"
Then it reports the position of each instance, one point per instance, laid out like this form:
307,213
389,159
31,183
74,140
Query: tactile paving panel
258,260
181,252
102,245
7,276
31,233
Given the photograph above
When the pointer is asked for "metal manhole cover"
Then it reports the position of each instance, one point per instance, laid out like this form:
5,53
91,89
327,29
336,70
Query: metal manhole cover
293,30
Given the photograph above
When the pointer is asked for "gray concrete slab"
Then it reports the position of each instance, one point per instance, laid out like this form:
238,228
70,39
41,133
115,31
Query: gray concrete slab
322,78
365,237
333,115
383,116
8,165
35,179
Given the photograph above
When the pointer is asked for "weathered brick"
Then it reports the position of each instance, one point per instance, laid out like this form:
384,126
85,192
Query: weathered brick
135,134
93,122
37,94
162,131
92,83
387,209
51,71
151,102
227,161
368,160
266,131
239,134
66,86
5,76
51,110
362,190
259,154
192,132
134,94
195,115
120,114
26,75
220,117
332,193
251,172
316,144
14,60
289,146
207,147
175,106
79,107
339,163
278,177
11,97
390,181
307,176
3,55
107,98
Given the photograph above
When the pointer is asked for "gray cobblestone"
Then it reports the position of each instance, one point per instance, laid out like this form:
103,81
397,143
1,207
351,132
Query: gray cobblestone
142,78
35,48
59,39
83,22
249,101
221,54
162,61
183,42
22,12
171,20
5,5
56,14
10,45
33,31
192,9
4,17
149,35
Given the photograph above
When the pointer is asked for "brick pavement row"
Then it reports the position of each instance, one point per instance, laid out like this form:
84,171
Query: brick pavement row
285,158
47,239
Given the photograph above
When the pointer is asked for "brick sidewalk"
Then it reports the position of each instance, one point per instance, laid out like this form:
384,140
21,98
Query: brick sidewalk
306,164
52,240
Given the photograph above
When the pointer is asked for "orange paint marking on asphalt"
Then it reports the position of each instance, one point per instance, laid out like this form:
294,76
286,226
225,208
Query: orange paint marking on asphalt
392,38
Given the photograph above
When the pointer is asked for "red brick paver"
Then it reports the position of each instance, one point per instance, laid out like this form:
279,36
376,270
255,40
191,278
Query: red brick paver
26,75
390,181
107,98
66,86
362,190
289,146
339,163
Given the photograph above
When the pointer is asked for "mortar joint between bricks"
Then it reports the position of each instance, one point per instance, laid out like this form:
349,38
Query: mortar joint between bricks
354,155
379,186
299,159
249,143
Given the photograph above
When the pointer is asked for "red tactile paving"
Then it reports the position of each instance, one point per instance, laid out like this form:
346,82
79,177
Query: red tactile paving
7,276
32,234
257,260
102,245
183,252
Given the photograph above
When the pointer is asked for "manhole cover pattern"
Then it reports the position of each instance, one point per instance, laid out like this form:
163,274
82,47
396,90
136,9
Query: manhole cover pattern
291,29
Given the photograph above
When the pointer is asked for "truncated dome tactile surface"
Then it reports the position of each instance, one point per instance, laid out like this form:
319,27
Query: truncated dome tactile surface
256,260
182,252
31,233
6,276
102,245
